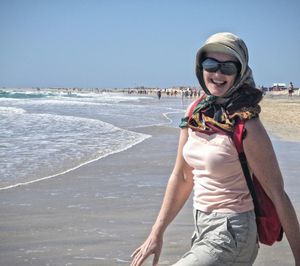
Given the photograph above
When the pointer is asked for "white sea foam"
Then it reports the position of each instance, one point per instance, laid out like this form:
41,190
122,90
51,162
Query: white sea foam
88,258
168,121
71,169
66,143
5,111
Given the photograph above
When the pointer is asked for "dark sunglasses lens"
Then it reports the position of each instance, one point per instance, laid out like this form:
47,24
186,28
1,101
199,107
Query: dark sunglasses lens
210,65
229,68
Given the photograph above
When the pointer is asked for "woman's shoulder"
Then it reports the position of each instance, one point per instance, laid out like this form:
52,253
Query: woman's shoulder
254,123
255,130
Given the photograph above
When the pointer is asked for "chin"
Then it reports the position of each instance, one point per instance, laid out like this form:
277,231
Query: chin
217,93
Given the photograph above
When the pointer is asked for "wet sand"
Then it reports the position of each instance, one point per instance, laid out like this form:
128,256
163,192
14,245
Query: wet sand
99,213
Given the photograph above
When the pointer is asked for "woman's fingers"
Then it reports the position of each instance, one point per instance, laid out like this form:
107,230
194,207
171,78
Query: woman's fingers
135,252
141,254
150,246
139,257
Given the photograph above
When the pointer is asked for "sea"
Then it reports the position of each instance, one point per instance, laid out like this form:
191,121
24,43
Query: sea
47,132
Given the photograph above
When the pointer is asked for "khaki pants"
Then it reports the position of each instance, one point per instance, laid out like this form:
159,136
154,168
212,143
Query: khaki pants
222,239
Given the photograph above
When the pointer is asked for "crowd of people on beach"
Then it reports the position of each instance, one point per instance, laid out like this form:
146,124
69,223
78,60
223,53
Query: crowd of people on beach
194,92
182,91
178,91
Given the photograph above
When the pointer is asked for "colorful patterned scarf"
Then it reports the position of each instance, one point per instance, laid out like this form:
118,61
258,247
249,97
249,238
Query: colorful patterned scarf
211,117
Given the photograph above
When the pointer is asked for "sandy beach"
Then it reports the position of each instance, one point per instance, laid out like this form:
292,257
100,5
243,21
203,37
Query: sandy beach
280,116
99,213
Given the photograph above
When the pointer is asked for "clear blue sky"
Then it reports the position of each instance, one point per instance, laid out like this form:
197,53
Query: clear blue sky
126,43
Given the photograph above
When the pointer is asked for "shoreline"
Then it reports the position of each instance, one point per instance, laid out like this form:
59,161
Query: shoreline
75,167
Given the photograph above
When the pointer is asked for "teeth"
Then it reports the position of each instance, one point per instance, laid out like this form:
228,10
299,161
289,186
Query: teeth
218,81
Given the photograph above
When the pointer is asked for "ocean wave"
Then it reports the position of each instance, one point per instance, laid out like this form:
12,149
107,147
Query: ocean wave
24,94
114,97
11,110
35,147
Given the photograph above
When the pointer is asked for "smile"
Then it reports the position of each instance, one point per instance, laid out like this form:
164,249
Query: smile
218,82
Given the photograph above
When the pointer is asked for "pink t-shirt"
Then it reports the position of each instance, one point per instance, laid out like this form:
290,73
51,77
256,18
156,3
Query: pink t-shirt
219,182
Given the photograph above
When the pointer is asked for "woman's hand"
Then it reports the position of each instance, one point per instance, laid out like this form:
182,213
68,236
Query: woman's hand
152,245
180,186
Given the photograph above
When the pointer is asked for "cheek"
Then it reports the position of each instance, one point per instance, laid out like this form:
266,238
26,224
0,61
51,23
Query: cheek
231,81
206,77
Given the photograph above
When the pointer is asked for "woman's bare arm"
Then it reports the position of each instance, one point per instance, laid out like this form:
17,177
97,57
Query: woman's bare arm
179,187
263,162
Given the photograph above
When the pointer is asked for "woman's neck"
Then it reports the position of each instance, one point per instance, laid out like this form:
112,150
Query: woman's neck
220,100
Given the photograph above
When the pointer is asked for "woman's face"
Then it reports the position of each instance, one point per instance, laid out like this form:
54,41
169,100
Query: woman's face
217,82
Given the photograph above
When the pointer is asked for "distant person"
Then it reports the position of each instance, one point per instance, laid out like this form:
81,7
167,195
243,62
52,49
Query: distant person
159,94
208,164
291,90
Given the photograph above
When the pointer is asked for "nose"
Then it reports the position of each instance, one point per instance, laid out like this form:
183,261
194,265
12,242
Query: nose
218,72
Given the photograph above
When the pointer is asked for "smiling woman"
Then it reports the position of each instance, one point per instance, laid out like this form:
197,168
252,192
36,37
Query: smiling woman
209,164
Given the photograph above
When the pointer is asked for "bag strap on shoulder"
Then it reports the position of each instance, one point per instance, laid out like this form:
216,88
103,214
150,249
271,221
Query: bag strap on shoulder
238,136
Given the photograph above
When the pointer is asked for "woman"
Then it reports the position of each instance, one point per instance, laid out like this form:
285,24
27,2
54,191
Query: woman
207,161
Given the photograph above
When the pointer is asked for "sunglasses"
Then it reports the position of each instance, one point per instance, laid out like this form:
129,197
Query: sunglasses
227,67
